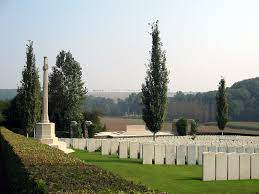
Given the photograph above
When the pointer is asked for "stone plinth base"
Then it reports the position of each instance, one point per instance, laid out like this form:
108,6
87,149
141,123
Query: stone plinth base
45,132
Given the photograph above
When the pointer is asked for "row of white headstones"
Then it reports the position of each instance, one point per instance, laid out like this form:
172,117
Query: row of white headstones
183,150
230,166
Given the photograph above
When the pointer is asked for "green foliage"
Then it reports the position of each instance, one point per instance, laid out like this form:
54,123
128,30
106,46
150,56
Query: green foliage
154,90
222,105
4,106
97,126
194,127
182,126
66,91
28,99
33,167
130,106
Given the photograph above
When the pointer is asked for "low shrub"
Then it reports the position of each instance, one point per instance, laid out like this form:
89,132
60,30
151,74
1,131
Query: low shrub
194,127
181,126
32,167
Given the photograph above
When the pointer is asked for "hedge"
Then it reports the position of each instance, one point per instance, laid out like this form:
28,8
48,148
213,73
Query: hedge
32,167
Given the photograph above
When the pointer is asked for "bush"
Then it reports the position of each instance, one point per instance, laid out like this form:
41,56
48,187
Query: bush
32,167
181,126
194,127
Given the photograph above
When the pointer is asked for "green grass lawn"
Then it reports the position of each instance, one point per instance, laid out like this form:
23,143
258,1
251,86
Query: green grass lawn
173,179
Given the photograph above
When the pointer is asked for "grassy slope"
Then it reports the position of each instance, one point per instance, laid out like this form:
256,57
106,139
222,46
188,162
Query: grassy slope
173,179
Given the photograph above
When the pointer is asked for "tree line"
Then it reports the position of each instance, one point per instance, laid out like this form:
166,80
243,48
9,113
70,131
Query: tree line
66,94
243,100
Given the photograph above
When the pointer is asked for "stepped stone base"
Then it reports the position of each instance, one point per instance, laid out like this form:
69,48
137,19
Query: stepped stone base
45,132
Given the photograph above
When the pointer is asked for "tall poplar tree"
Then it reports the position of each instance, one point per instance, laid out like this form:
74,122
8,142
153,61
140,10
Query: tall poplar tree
154,90
222,106
66,91
29,93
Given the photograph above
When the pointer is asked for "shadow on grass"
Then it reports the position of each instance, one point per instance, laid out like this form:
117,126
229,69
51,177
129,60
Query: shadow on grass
113,161
189,178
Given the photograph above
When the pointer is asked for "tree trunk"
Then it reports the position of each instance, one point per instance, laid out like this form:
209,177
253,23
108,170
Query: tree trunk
154,136
222,133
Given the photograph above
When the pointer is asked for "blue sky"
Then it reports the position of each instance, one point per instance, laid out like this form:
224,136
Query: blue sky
203,39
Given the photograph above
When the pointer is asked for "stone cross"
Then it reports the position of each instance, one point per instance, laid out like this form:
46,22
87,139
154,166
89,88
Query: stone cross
45,115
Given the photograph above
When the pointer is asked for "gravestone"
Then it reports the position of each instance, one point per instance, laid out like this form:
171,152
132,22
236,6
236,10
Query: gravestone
180,154
159,154
134,150
244,166
114,147
208,168
170,154
233,166
191,155
240,149
148,153
212,149
91,145
249,150
221,166
222,149
232,149
123,149
201,149
105,147
254,166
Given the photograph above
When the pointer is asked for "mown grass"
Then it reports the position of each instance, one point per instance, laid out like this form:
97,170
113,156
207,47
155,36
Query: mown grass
171,179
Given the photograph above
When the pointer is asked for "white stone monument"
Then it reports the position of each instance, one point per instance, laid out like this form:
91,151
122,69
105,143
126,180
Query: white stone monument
45,130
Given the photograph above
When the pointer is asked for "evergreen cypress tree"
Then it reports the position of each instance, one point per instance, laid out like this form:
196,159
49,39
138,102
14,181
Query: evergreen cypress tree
66,91
154,90
222,106
29,93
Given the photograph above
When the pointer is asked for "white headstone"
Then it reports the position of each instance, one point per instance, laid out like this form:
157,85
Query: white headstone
231,149
91,145
244,166
105,147
170,154
222,149
180,154
114,147
221,166
249,150
140,150
208,167
148,153
240,149
255,166
212,149
134,149
191,155
233,166
123,149
201,149
159,154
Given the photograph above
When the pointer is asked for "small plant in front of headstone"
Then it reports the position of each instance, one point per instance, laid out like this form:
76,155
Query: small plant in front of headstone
181,126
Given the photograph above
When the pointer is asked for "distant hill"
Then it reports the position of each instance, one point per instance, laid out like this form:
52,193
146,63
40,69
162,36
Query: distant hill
7,94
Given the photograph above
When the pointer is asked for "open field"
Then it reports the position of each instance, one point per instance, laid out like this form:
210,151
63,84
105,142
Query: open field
247,128
239,125
119,124
172,179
